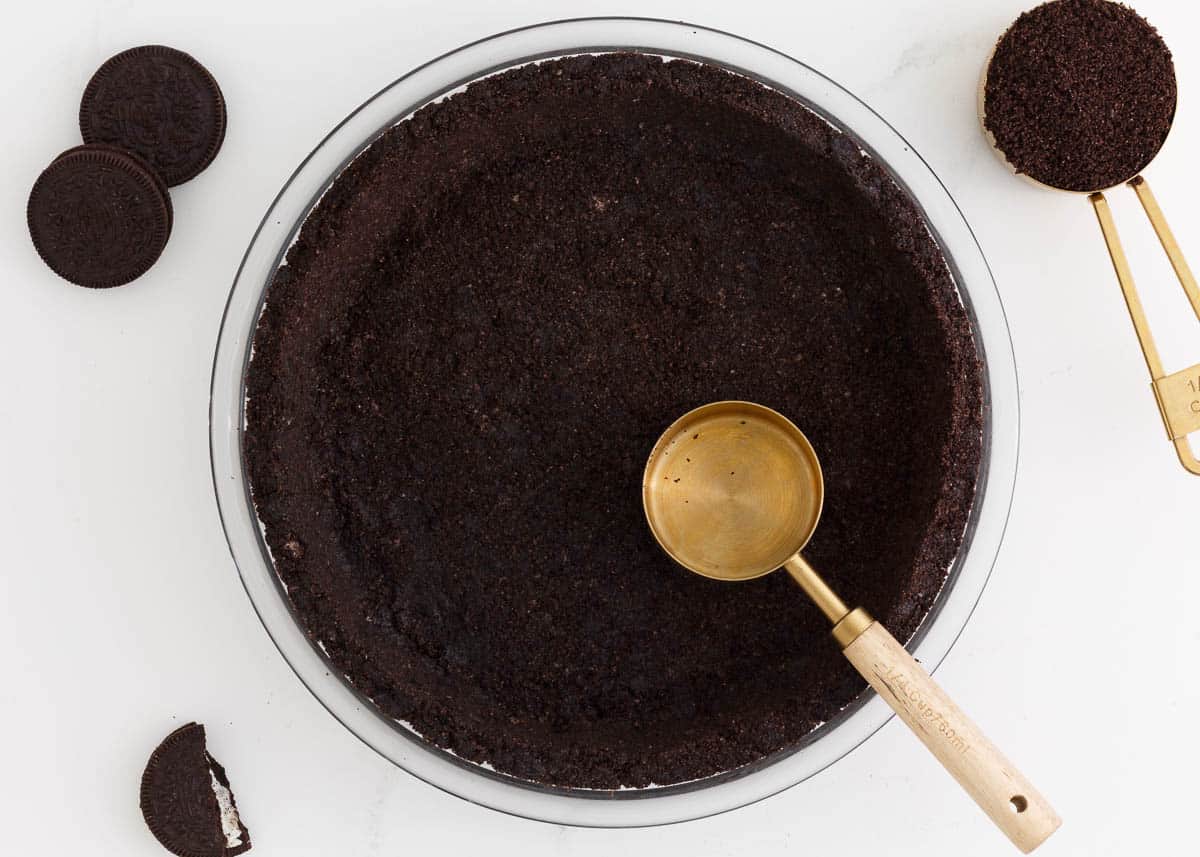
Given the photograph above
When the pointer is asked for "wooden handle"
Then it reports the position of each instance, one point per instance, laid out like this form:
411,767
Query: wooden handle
997,786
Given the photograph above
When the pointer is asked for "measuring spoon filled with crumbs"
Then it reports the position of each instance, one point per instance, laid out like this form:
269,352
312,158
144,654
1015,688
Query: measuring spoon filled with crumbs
1080,95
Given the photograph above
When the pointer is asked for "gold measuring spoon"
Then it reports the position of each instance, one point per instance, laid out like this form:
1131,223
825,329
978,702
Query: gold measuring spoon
1177,394
732,491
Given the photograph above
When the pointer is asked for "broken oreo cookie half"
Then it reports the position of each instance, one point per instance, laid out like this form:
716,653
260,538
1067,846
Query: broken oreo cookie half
186,800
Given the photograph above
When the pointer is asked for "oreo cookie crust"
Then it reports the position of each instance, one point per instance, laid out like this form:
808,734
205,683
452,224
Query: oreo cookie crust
478,335
186,801
160,103
99,217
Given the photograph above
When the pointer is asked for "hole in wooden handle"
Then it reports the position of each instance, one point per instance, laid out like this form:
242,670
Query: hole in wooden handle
1019,804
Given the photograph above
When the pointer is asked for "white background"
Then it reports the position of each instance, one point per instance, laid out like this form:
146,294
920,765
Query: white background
121,613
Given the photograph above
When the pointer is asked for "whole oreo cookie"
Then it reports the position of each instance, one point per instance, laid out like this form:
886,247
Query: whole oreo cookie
185,799
160,103
99,217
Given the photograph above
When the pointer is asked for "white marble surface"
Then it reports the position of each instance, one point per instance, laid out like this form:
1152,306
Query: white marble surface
121,613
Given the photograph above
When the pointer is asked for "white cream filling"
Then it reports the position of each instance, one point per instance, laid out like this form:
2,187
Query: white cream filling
229,814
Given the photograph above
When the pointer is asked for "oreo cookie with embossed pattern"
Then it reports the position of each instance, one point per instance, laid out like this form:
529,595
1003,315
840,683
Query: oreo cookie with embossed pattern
99,217
186,801
160,103
162,185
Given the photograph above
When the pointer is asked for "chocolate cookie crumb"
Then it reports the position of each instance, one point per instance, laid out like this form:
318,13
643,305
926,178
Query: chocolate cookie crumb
159,102
186,801
1080,94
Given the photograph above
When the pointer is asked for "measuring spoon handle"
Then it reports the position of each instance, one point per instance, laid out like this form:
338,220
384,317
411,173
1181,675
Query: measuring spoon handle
1002,791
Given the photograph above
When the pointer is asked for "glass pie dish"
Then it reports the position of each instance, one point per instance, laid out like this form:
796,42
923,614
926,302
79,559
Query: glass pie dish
438,79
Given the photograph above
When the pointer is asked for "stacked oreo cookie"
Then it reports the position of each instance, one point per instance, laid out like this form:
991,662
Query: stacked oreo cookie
100,214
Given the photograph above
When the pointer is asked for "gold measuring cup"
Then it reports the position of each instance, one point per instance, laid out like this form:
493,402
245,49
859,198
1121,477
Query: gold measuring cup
733,491
1177,394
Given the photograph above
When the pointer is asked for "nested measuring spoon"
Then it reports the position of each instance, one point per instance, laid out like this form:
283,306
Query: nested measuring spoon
1080,95
733,491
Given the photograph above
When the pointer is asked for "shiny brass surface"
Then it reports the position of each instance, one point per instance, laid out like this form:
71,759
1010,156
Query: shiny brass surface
733,491
851,626
816,588
1178,394
1167,238
1179,400
1125,277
